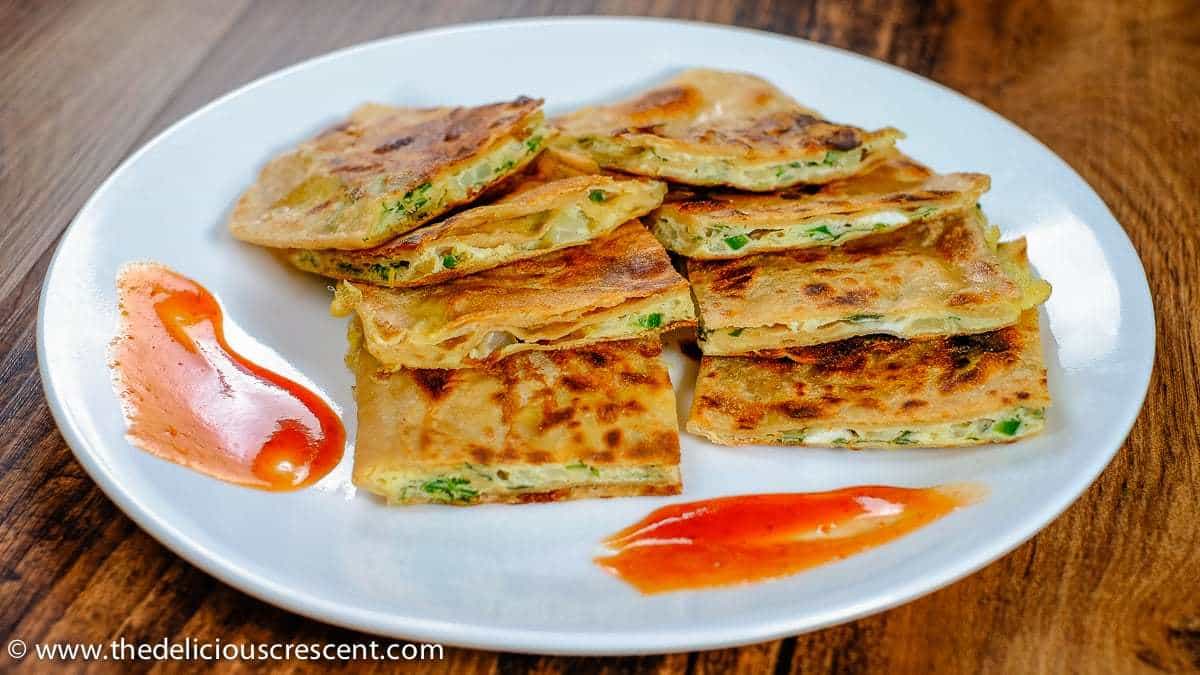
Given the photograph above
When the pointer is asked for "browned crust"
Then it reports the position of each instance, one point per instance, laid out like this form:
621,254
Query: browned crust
871,382
879,274
530,196
609,405
626,264
325,194
411,145
719,113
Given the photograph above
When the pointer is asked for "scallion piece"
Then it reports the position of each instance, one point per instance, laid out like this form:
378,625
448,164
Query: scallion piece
737,241
1008,427
650,320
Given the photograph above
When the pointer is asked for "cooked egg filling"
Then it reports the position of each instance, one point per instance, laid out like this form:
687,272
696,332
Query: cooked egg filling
718,240
699,169
650,315
1004,425
469,483
742,340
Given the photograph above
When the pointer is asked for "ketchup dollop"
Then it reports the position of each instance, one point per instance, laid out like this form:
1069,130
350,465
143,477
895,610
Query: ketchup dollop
189,398
731,540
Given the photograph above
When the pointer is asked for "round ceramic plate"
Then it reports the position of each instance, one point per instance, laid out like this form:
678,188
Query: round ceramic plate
521,577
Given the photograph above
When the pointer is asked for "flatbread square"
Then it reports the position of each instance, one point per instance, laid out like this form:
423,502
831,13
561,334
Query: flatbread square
597,421
878,391
616,287
535,219
937,277
711,127
717,224
385,171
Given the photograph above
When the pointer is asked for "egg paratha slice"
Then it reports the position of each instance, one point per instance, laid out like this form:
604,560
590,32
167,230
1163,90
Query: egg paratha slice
710,127
597,421
879,392
527,223
616,287
896,192
938,277
386,171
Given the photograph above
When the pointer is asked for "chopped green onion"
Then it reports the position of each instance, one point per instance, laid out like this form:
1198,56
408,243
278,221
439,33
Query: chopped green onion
597,196
1008,427
453,489
736,332
449,261
737,241
793,437
822,233
381,271
650,320
904,438
860,318
580,465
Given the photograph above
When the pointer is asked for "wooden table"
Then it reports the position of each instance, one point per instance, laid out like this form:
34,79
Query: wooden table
1111,586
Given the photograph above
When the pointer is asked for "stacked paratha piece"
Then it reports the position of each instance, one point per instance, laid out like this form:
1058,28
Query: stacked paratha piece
506,309
847,295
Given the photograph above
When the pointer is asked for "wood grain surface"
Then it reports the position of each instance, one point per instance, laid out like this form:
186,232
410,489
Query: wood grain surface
1114,88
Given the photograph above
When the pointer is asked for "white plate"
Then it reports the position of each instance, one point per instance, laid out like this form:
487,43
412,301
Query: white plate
521,577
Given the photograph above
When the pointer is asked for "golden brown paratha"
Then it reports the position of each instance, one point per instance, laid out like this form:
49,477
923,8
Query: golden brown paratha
933,278
527,223
596,421
710,127
879,391
616,287
713,224
386,171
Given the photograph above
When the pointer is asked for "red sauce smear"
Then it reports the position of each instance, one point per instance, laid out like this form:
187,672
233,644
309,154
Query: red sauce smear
731,540
191,399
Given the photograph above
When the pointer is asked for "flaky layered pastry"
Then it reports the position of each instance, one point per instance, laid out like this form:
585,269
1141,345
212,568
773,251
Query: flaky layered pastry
529,222
386,171
717,224
619,286
595,421
879,391
938,277
710,127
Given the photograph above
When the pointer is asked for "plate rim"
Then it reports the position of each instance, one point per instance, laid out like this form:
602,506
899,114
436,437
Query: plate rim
571,643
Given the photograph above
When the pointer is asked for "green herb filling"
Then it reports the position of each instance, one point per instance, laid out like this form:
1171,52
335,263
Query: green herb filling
650,320
737,241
